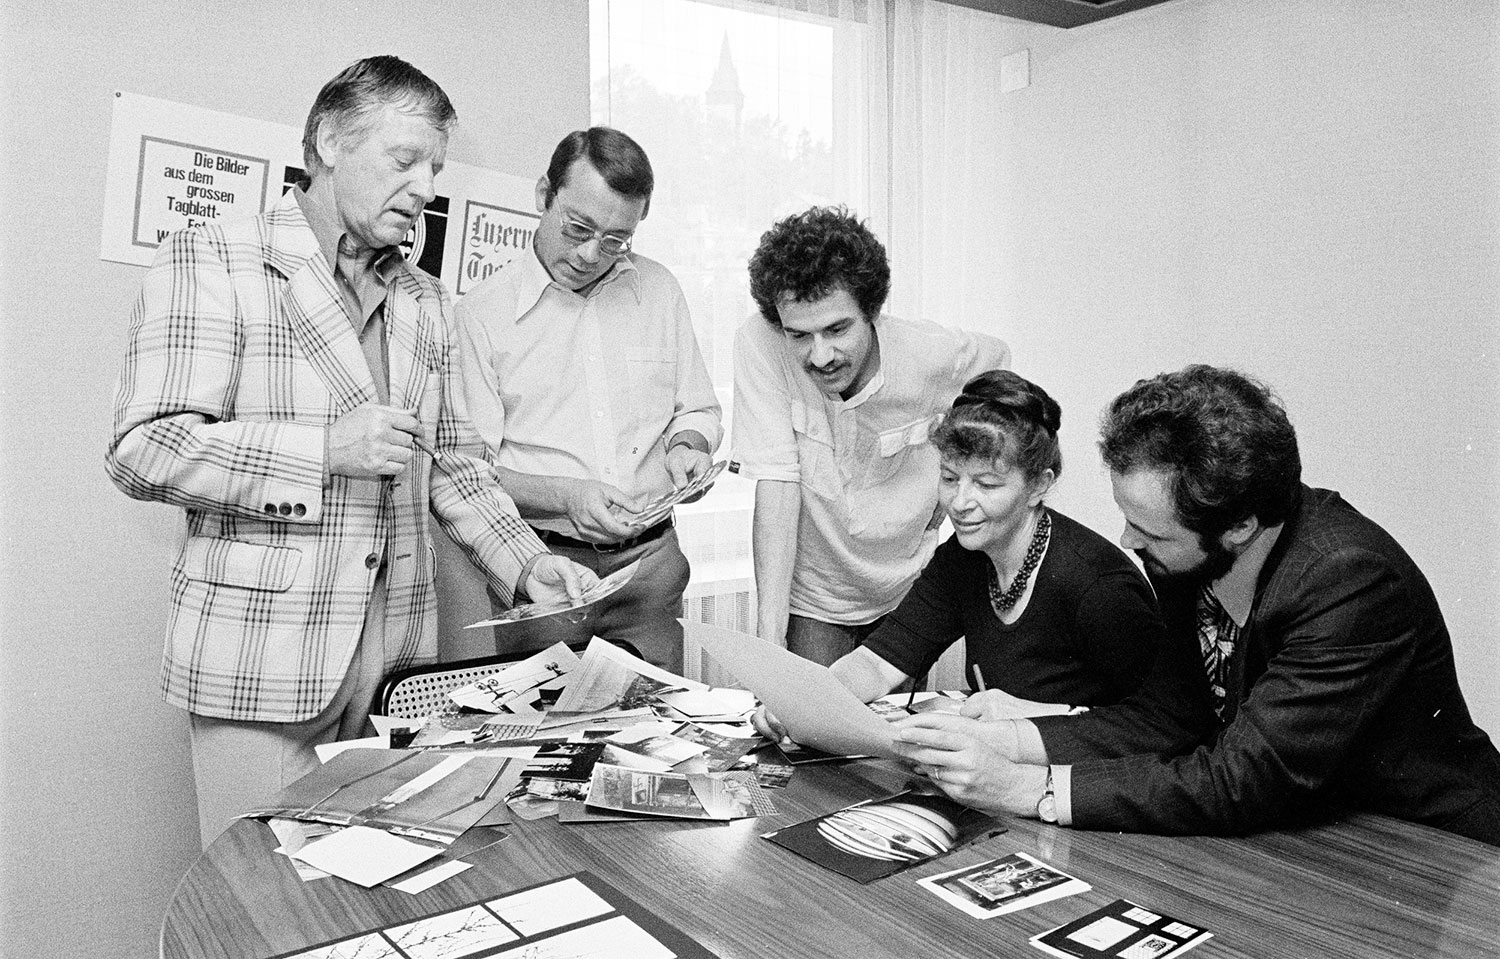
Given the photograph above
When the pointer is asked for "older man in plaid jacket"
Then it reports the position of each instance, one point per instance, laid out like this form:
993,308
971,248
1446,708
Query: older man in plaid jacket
280,372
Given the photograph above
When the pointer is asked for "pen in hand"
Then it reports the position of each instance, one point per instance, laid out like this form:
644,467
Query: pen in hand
423,445
978,679
428,448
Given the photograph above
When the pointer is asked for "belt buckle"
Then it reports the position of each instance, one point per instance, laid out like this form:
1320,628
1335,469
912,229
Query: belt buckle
635,540
620,547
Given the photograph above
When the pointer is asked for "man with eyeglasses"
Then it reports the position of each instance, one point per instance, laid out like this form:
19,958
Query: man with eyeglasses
584,377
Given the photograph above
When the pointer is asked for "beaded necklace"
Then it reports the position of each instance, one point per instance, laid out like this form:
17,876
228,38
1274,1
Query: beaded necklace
1002,602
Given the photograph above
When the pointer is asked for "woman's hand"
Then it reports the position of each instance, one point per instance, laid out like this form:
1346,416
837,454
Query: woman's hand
766,723
994,704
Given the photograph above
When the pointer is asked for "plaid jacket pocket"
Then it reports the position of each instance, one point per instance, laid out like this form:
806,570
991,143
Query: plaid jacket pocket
228,562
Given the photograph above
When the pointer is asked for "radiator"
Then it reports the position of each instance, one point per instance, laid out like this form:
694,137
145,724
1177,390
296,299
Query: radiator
729,603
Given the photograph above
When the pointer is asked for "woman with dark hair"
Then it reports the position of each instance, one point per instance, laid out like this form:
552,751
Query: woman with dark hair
1053,613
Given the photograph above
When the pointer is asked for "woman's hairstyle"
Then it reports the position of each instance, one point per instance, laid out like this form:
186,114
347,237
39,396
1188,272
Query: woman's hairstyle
1005,418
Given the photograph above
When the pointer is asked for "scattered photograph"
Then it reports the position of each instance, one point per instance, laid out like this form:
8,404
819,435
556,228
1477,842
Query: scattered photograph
641,791
873,839
999,886
668,750
731,795
610,680
558,789
722,751
570,761
451,726
604,587
1121,930
660,507
502,689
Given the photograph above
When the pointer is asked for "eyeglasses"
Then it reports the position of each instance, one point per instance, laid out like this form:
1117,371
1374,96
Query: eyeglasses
609,243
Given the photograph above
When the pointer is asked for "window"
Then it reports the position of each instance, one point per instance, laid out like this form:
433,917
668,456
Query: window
749,111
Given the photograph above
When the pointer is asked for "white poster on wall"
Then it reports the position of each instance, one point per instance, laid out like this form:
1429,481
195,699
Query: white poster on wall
173,166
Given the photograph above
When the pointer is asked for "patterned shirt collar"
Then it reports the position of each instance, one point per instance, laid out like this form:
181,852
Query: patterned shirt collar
329,233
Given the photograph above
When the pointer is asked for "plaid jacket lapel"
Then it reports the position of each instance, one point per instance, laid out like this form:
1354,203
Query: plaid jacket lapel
316,314
409,331
315,310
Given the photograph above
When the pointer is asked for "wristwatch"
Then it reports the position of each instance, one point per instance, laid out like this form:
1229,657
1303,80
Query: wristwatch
1046,807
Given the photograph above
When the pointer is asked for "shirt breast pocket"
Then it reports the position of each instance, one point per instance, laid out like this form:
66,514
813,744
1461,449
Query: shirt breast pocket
891,449
653,387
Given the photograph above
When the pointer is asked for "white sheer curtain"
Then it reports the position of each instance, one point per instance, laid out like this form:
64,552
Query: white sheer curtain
946,134
753,109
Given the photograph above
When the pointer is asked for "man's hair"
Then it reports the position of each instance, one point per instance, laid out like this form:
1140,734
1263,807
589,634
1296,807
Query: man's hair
619,159
1003,418
1222,439
350,101
809,255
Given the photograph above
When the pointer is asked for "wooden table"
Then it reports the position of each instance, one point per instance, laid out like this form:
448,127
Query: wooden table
1367,887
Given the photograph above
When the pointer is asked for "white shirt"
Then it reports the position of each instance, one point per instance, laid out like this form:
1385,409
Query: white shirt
588,387
868,475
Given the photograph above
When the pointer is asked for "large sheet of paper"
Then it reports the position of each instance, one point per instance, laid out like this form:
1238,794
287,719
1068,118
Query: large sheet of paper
363,855
816,709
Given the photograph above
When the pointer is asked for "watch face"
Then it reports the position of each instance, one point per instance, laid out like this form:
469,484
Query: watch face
1046,810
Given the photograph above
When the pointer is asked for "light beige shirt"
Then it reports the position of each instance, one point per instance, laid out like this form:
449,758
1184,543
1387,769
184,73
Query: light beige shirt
868,475
587,387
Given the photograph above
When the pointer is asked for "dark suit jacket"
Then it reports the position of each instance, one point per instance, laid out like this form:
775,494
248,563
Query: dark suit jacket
1341,694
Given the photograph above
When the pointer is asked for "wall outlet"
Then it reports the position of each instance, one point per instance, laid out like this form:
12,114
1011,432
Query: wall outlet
1015,71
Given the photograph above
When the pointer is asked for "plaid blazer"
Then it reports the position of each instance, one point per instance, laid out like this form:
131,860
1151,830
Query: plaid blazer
241,353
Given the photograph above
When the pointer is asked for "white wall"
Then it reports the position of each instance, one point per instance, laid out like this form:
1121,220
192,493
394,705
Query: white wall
97,817
1308,190
1305,188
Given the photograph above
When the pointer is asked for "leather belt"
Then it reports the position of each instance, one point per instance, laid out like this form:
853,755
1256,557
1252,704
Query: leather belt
553,538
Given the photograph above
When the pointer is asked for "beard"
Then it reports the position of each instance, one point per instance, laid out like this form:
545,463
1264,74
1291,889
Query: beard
1216,561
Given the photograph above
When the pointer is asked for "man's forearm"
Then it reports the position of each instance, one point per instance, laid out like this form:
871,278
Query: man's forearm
538,497
778,504
690,438
867,675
